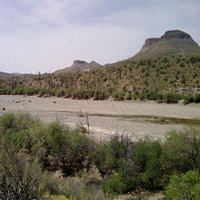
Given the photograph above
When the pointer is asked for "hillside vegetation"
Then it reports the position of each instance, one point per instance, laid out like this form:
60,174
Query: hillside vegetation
165,79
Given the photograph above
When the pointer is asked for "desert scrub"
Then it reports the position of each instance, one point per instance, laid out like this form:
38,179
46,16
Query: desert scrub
30,149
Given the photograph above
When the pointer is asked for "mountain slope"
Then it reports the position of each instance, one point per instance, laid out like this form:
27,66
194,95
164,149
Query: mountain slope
172,43
79,65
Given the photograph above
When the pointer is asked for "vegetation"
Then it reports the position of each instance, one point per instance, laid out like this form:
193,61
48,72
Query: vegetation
186,186
162,79
31,151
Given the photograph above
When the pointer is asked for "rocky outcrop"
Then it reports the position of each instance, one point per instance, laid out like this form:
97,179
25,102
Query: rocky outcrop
79,65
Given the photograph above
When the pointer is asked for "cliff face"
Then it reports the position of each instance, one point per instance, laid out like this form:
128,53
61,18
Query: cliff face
173,42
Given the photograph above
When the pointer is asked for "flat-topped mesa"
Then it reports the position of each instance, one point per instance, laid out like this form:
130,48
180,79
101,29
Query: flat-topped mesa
79,62
176,34
172,42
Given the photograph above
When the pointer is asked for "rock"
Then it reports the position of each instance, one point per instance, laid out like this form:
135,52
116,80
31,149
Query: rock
175,34
79,62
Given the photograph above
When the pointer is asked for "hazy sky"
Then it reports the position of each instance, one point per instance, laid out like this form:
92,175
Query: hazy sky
46,35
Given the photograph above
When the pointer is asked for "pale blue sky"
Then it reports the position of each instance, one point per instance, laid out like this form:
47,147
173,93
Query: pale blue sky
46,35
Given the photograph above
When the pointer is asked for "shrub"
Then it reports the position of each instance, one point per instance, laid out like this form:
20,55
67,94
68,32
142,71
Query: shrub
197,98
8,121
60,92
18,178
171,97
119,96
149,158
186,186
30,91
83,93
188,99
68,93
115,184
183,150
100,95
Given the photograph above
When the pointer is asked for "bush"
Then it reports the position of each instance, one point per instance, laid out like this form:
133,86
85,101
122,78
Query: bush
30,91
115,184
171,97
68,93
60,92
18,178
183,150
100,95
83,93
197,98
118,96
8,121
186,186
149,157
188,99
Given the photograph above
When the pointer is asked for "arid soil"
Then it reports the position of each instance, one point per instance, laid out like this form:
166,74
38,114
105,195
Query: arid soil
104,116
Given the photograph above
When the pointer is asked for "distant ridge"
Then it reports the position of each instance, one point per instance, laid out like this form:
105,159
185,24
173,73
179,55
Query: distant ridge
79,65
5,76
173,42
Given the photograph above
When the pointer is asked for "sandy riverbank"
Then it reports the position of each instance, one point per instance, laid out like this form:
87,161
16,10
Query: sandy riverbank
68,111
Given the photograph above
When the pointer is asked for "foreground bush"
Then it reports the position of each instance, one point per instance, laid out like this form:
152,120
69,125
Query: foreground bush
149,157
30,148
19,179
186,186
183,150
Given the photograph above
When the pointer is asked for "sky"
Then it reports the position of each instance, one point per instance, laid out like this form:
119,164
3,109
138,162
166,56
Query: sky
46,35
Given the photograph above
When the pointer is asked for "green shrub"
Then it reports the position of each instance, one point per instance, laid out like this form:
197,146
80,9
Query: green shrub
171,97
119,96
30,91
68,93
83,93
8,121
18,178
197,98
186,186
149,157
100,95
60,92
115,184
188,99
183,150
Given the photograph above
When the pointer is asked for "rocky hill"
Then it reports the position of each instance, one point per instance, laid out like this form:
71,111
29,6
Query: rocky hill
79,65
174,42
